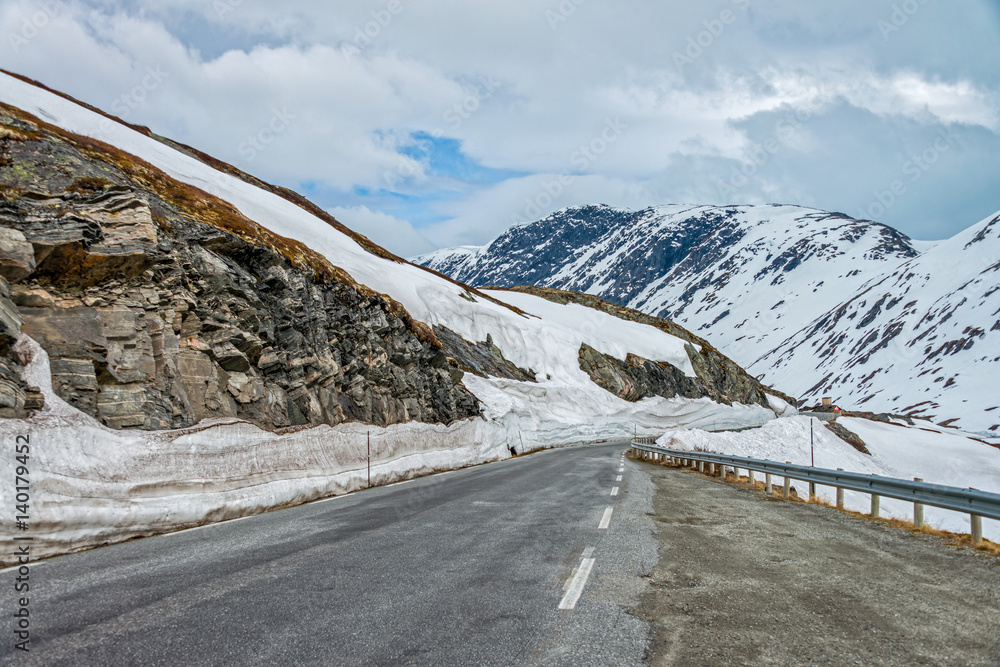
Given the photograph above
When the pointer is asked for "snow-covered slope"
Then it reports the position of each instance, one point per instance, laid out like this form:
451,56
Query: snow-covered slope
748,276
815,303
127,482
923,337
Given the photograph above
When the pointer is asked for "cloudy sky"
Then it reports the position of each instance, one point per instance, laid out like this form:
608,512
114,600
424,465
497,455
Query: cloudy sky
433,123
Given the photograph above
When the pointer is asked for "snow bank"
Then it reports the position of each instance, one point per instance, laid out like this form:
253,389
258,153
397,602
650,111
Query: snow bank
93,485
897,451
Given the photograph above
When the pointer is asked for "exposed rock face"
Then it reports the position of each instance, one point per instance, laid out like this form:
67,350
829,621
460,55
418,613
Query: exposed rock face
154,317
484,358
17,400
719,377
848,436
17,257
636,378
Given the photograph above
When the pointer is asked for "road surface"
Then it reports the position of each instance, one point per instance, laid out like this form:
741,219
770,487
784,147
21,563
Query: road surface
464,568
566,557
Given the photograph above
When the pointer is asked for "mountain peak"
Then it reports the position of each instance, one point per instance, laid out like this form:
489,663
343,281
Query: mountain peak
813,301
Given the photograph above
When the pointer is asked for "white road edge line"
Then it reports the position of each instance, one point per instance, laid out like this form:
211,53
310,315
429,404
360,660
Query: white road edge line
32,564
204,526
606,519
576,585
614,491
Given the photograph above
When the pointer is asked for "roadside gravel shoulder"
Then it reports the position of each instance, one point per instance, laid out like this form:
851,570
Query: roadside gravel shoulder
747,580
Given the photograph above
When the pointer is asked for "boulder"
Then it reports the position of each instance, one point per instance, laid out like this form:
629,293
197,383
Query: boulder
17,256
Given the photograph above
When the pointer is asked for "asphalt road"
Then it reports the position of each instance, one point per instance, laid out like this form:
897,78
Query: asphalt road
463,568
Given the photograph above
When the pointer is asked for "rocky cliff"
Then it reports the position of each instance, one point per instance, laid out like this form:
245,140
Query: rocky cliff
160,305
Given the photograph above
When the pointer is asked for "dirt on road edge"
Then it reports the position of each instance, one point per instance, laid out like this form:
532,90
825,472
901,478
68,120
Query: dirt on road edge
745,579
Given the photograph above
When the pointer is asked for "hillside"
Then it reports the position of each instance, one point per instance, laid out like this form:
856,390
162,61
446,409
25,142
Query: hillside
202,346
923,337
799,297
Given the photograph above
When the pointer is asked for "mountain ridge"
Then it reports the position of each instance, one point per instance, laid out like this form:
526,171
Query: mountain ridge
752,278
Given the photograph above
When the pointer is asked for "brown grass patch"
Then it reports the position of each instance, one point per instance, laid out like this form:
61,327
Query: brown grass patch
89,185
8,132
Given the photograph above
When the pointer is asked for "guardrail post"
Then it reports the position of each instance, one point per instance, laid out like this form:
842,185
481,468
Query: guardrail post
840,494
711,469
876,499
768,489
812,490
701,466
722,471
918,510
750,476
977,529
787,491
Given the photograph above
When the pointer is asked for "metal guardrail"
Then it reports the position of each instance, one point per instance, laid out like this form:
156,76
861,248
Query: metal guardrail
969,501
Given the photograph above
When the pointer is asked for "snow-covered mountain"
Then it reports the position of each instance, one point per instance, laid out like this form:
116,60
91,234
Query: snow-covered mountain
752,275
778,288
923,337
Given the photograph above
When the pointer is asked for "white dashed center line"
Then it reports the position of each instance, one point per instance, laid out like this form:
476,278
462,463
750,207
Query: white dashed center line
614,491
575,589
619,478
606,519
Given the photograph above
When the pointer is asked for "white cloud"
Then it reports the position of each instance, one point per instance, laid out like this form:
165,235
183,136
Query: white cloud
350,116
395,235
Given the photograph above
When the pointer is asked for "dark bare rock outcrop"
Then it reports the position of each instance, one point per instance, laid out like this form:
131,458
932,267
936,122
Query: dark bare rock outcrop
483,358
848,436
718,377
160,305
